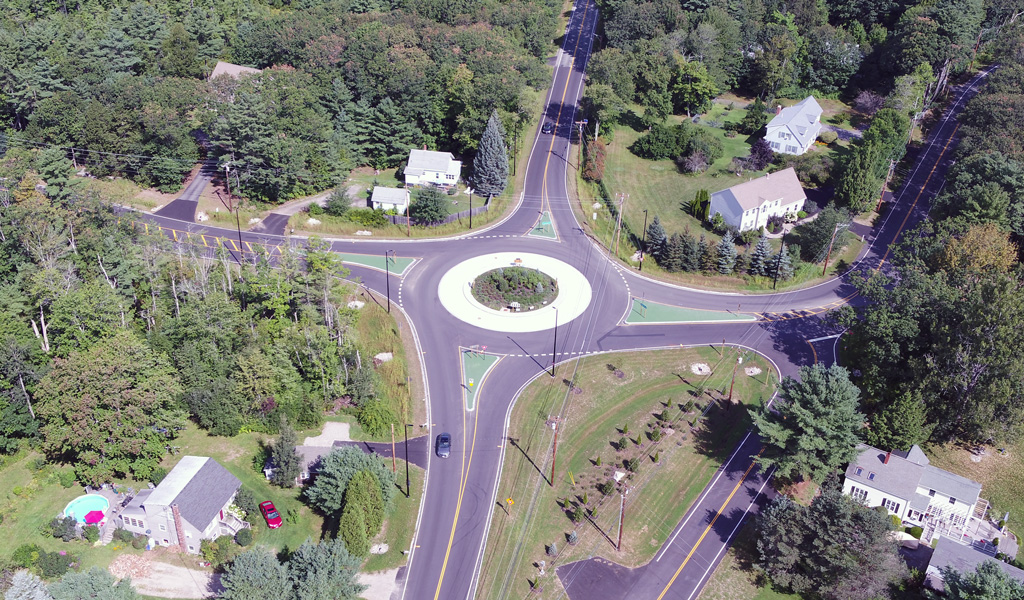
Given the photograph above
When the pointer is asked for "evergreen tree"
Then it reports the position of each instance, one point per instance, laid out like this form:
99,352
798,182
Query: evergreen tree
704,256
691,254
726,255
429,207
327,492
899,425
760,259
94,584
256,575
761,155
352,529
755,119
490,167
987,582
674,252
287,463
813,428
364,491
26,586
783,263
58,173
656,240
180,53
324,571
700,206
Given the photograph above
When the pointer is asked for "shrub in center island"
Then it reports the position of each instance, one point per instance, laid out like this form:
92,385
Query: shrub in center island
508,287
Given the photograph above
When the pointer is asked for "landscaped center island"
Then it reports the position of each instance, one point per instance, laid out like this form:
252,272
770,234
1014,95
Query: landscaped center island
514,288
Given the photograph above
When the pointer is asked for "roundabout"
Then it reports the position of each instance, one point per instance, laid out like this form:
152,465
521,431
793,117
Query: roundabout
456,295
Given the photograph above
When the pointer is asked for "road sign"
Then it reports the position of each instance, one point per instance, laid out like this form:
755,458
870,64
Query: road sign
471,382
509,501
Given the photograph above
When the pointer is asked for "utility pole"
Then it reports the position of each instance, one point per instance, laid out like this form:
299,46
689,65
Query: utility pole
470,210
515,147
554,343
622,518
739,361
387,277
835,230
405,430
778,262
394,465
618,228
579,160
888,176
408,219
643,242
238,224
554,454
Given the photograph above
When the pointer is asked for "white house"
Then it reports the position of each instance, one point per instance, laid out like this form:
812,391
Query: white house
794,128
386,198
190,504
910,488
427,167
749,205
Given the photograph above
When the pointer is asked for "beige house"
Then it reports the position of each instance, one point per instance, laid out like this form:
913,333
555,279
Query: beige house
190,504
749,205
234,71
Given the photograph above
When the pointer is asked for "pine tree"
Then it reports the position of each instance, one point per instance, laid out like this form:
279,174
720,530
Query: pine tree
352,529
674,250
691,254
324,570
760,258
287,463
256,575
656,240
180,53
700,206
703,253
26,586
899,425
490,167
755,119
726,254
784,264
58,173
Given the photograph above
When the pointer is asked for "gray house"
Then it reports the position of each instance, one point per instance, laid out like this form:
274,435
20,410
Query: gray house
793,129
309,459
965,559
191,504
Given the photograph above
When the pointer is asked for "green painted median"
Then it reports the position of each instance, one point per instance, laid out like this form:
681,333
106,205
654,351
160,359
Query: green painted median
475,365
396,265
647,312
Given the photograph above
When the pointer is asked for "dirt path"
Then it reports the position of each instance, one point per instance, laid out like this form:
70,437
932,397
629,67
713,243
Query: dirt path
382,584
333,431
173,581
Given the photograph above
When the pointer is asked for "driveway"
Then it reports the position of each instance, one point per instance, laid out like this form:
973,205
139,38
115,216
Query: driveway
174,581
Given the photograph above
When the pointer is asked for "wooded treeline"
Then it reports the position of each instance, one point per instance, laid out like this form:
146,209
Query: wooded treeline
345,83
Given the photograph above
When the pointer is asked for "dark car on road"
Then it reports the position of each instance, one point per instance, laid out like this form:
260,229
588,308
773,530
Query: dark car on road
548,127
443,445
271,515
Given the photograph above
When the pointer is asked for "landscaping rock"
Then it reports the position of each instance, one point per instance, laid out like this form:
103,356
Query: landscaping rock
700,369
383,357
618,476
312,222
356,304
379,549
751,371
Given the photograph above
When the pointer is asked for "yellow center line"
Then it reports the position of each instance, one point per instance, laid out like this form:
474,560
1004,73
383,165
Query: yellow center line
710,525
462,487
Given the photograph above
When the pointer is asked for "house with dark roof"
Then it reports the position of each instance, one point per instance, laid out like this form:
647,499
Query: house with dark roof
427,167
309,459
793,129
912,489
749,205
191,504
959,557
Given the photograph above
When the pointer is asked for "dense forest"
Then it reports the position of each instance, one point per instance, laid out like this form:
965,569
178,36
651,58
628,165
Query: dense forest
121,87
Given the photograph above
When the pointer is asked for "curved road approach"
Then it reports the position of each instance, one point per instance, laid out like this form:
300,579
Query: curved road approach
460,494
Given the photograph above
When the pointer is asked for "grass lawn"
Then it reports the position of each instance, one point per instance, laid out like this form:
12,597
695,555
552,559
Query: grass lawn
1001,475
399,523
617,392
735,577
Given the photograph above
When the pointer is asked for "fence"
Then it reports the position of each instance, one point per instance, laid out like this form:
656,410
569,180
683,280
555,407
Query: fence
476,210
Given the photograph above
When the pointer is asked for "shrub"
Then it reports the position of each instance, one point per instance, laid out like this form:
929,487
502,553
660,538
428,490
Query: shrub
26,555
800,214
376,418
157,475
995,541
54,564
244,537
123,535
655,435
315,209
66,478
574,538
578,514
246,501
688,407
622,443
367,217
827,136
91,533
552,550
606,488
338,203
139,542
63,528
39,463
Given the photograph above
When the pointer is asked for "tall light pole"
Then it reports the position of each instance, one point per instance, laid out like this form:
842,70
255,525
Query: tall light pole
643,241
554,343
835,231
387,276
471,209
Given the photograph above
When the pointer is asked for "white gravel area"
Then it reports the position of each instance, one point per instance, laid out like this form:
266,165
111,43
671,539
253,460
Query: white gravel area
333,431
172,581
382,584
700,369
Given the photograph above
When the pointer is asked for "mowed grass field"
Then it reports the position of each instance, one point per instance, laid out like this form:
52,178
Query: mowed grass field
619,397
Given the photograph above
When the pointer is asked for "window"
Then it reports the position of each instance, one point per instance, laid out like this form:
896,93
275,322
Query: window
871,476
891,505
860,471
191,548
163,527
782,135
167,542
775,145
188,534
858,494
791,148
952,500
931,493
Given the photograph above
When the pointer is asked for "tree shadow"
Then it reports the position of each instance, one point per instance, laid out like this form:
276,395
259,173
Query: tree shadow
719,431
515,444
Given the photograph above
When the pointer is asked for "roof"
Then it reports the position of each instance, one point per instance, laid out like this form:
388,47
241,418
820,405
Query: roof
898,478
200,487
429,160
740,198
959,557
920,502
951,485
390,195
914,455
231,70
800,119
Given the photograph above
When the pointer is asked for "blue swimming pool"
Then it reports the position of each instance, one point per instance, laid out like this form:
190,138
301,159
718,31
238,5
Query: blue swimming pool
83,505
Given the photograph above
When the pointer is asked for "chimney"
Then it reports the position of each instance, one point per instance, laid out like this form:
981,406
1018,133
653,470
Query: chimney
887,455
778,109
179,528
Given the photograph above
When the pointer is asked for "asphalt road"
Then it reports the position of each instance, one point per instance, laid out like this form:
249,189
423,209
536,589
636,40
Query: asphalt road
461,494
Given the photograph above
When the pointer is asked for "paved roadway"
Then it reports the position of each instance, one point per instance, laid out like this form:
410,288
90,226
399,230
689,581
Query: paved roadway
461,491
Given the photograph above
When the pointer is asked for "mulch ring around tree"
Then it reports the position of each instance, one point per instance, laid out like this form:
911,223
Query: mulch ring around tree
515,288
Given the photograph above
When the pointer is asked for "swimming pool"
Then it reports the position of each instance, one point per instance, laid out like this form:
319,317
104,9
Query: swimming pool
83,505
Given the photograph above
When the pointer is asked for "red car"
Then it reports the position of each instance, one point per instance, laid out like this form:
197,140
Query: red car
271,515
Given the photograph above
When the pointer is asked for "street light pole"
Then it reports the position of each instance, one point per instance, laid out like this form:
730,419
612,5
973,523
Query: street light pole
406,431
238,224
835,231
470,209
387,277
643,242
